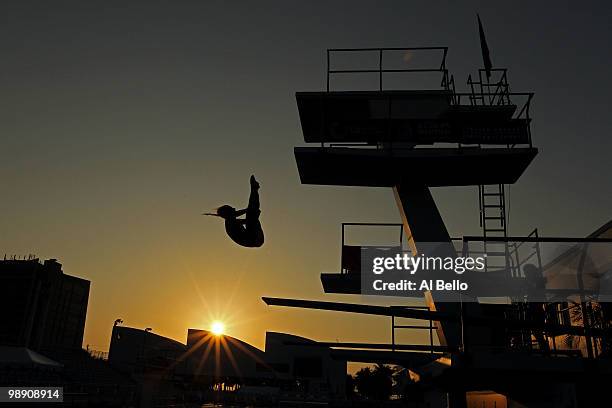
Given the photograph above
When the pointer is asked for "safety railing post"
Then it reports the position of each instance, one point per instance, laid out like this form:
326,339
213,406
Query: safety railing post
380,72
431,335
392,332
328,70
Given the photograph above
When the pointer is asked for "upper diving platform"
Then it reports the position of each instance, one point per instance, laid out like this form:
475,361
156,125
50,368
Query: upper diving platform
435,137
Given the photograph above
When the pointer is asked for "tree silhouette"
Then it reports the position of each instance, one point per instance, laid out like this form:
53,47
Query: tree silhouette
376,383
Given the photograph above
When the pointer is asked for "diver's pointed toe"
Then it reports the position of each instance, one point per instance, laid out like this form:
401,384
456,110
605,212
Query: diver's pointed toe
254,183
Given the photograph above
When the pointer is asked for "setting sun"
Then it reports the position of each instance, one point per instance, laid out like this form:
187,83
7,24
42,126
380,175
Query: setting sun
217,328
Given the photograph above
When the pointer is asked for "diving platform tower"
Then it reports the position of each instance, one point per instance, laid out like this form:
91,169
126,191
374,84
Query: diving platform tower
410,140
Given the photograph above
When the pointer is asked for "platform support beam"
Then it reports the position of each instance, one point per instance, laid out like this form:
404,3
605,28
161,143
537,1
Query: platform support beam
423,224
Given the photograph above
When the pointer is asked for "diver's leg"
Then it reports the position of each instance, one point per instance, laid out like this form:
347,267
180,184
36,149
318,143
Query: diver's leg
252,224
253,208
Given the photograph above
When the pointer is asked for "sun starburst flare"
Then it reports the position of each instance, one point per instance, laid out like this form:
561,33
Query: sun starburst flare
218,328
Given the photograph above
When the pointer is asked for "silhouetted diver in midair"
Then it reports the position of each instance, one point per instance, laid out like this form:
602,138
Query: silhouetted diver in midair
246,232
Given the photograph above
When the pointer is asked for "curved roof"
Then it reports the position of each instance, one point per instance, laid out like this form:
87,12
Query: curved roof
191,333
151,336
288,337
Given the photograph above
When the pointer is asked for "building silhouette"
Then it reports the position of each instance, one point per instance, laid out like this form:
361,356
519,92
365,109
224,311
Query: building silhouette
41,307
43,314
220,367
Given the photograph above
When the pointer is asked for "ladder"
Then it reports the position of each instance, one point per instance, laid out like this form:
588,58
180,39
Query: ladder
492,202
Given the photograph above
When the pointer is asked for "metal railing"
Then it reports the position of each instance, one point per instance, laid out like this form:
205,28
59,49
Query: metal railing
430,327
481,92
98,354
498,91
516,261
344,262
446,81
557,314
372,224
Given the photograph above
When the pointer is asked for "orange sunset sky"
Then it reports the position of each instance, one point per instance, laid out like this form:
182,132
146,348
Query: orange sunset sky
121,124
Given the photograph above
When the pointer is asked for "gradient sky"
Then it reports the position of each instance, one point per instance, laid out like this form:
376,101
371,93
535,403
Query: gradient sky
121,123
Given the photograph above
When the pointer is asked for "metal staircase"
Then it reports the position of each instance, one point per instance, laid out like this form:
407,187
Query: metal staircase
492,202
